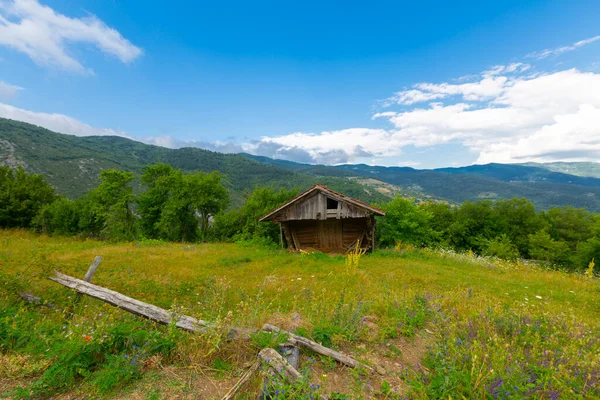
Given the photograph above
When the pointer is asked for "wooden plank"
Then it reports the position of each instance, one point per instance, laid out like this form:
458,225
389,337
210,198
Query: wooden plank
317,348
129,304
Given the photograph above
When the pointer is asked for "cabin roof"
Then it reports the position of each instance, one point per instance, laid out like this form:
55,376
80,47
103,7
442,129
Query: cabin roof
333,194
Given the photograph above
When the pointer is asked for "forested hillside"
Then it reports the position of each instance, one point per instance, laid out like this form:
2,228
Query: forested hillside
72,164
494,181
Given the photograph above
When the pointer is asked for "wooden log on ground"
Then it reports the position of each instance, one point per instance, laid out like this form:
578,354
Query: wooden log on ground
279,364
317,348
129,304
242,382
92,269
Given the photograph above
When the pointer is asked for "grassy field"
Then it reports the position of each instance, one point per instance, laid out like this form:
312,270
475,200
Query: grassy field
441,325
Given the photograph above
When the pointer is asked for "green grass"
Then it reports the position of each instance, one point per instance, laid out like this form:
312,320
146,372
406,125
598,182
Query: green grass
441,324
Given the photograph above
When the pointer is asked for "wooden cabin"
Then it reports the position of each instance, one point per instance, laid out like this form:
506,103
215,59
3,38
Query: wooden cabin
327,221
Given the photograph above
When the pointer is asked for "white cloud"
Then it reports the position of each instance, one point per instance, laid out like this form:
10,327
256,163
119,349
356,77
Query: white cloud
7,90
502,116
55,122
491,83
332,147
574,136
43,34
559,50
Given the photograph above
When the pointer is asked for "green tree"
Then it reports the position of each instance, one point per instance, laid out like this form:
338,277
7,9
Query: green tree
107,211
405,222
159,180
243,223
571,225
544,248
58,218
22,195
473,225
178,206
441,220
516,218
502,247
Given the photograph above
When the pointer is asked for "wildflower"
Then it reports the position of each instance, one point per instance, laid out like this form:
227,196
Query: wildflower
299,279
87,338
538,297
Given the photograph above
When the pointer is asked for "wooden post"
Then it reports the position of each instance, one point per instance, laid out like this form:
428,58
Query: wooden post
92,270
280,235
373,239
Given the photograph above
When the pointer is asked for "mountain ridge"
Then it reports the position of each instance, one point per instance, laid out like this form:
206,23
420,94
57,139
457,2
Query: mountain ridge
72,164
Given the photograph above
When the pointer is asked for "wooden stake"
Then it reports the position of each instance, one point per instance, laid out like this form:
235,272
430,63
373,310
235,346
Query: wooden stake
92,270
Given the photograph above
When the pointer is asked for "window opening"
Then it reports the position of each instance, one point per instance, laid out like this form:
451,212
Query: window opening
332,204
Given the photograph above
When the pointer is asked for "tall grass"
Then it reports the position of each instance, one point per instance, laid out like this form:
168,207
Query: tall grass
493,328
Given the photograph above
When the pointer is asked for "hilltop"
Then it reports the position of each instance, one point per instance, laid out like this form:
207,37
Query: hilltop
72,164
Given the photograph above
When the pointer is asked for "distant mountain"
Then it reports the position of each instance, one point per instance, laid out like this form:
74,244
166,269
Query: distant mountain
523,173
493,181
72,164
591,169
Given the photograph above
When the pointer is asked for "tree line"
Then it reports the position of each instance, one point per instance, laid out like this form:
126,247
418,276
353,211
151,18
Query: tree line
561,236
191,207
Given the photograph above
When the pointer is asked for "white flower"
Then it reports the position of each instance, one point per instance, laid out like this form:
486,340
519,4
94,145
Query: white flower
538,297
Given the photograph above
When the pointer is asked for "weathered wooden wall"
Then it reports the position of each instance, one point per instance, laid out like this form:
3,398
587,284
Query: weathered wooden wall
315,208
329,236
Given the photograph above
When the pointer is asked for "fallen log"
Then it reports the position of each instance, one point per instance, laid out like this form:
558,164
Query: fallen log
129,304
279,364
317,348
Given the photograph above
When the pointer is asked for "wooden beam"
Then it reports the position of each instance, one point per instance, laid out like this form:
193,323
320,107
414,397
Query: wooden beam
129,304
317,348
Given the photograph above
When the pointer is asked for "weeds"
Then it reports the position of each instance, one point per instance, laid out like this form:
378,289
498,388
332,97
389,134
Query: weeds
589,272
495,328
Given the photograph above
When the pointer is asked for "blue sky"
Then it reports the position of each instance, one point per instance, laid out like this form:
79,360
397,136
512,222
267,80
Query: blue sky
424,84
